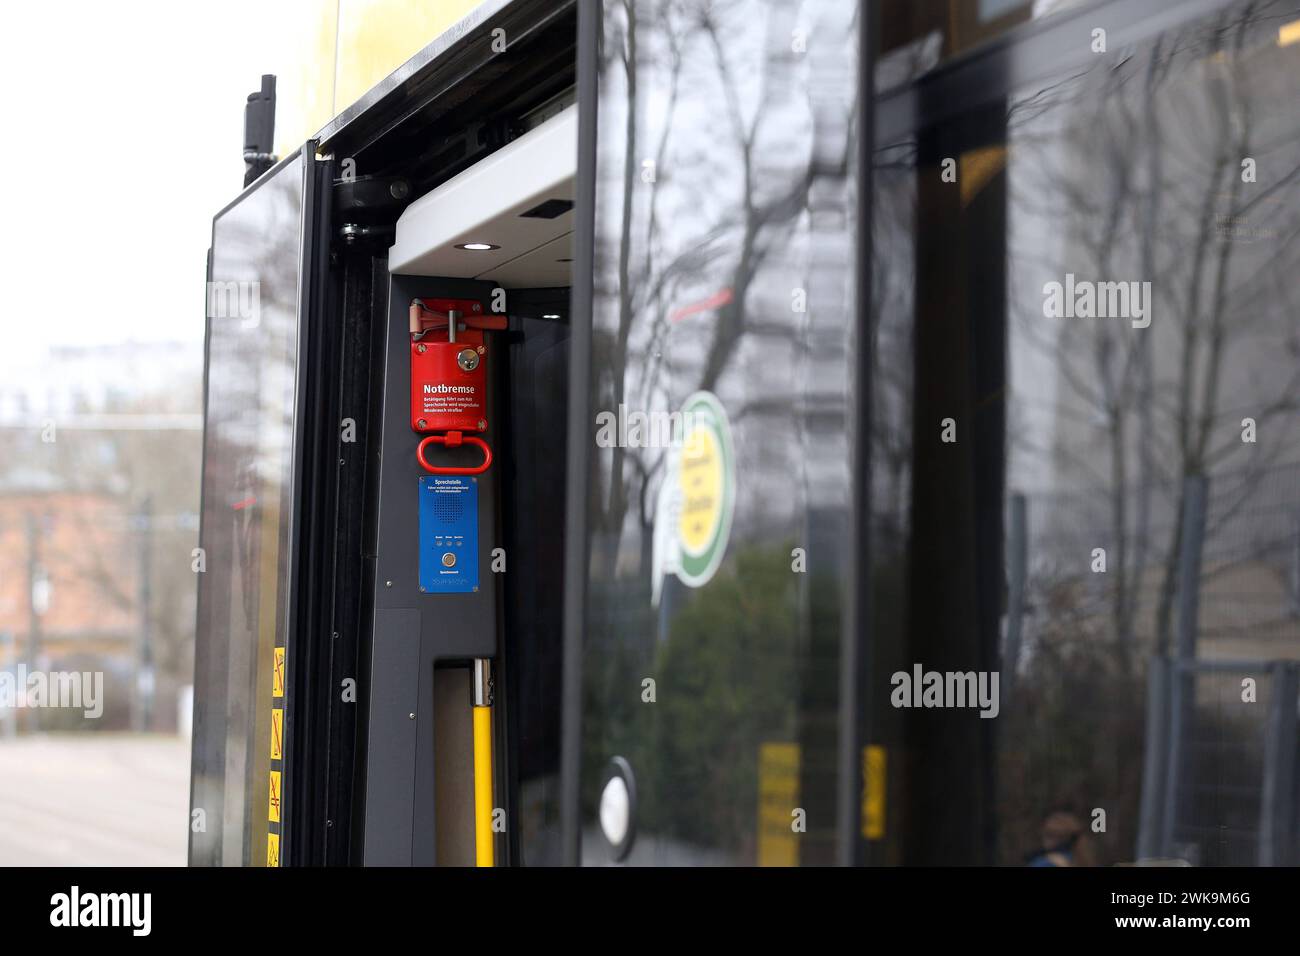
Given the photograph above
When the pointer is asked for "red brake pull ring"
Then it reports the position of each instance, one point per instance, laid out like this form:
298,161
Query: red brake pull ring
451,440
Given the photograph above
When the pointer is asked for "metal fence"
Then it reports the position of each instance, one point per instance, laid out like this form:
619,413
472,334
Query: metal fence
1201,586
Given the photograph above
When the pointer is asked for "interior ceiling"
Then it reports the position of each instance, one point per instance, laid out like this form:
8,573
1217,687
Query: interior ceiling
489,203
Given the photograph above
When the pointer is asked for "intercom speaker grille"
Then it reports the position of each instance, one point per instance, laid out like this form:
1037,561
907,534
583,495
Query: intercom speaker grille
447,506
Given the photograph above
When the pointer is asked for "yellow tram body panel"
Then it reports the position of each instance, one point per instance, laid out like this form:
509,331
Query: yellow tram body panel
347,48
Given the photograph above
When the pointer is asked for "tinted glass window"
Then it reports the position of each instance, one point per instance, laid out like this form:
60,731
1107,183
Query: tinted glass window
252,354
918,35
1099,268
722,351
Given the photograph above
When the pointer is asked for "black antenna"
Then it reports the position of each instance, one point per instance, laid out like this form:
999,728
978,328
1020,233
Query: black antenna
259,130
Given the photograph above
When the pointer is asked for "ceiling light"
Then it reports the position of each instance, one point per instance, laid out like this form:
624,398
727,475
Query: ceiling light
551,315
476,246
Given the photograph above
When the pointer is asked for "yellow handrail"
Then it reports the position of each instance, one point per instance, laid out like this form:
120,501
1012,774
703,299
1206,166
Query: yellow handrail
484,854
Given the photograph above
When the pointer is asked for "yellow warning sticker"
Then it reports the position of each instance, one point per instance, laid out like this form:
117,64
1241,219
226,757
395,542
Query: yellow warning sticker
277,733
778,804
279,672
873,792
273,849
273,802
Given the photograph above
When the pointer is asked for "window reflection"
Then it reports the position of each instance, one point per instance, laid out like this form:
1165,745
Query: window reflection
1146,464
252,343
918,35
724,266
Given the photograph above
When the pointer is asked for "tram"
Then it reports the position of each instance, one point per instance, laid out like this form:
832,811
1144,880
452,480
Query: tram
795,251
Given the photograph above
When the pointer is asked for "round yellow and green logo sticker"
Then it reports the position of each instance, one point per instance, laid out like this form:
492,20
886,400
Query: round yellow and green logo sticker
705,489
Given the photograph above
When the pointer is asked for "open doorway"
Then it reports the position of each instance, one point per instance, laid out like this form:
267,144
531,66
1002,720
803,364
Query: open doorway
499,232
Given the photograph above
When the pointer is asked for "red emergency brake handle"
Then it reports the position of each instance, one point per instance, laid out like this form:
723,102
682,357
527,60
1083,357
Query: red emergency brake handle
451,440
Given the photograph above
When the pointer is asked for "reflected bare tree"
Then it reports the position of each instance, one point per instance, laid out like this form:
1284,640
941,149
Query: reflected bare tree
720,232
1138,168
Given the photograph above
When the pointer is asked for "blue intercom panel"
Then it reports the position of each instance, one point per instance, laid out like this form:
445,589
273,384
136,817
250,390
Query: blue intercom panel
448,534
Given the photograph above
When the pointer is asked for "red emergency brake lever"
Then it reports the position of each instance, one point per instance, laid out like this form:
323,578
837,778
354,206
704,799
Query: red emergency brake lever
451,440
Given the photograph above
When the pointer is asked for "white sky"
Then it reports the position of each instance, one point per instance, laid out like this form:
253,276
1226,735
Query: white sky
122,127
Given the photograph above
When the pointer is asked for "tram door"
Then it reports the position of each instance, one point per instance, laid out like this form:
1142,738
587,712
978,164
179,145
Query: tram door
710,714
259,298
